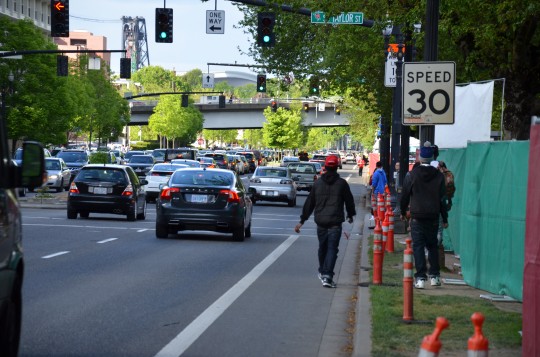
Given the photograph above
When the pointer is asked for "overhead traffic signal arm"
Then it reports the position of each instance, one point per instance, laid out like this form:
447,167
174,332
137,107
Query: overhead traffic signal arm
164,25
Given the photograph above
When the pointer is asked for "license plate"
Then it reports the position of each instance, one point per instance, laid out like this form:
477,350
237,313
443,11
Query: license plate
100,190
199,198
269,193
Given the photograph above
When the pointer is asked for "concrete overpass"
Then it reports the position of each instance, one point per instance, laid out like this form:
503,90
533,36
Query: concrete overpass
238,115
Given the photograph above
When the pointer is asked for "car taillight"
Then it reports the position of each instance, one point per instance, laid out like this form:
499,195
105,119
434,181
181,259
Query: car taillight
232,196
166,193
73,188
128,191
285,182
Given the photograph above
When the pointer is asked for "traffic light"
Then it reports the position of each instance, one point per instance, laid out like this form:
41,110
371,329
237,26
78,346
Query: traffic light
125,68
314,85
265,29
306,107
164,25
62,67
221,103
261,83
59,18
185,102
274,106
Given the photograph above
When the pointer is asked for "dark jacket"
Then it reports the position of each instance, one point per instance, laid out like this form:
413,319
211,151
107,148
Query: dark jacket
425,190
327,198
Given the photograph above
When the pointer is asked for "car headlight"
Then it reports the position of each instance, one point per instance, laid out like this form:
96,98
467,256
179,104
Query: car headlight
53,177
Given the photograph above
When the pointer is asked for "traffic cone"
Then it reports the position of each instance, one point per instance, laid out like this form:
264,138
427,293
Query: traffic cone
380,207
384,226
431,345
390,235
377,254
408,280
478,344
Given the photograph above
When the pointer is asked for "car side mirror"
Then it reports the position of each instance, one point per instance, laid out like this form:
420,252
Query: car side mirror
33,173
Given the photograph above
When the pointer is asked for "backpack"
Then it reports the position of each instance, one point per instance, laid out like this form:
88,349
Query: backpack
450,186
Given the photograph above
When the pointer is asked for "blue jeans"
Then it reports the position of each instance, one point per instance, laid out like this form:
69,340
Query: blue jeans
424,236
328,249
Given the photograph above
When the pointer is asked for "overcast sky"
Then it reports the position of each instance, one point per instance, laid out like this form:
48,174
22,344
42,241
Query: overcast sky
192,47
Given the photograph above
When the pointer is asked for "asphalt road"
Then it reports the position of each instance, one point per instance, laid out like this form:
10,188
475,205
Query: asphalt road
104,286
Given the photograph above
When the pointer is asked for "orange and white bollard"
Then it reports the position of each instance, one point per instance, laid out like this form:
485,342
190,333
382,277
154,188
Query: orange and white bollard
390,217
374,204
431,345
478,345
380,207
377,254
408,281
384,226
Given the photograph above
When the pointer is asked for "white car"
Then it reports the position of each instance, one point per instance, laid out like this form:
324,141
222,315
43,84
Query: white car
350,158
58,174
158,176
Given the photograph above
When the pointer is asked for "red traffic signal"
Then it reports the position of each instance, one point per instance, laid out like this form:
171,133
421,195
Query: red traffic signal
274,105
60,18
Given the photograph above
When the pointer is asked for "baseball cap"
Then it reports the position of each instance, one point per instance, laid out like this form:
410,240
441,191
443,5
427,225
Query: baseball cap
331,161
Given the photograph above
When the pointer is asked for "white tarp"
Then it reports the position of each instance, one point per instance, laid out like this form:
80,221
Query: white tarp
474,103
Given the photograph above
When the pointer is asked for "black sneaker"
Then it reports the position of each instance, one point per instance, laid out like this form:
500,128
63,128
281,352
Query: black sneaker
319,275
328,283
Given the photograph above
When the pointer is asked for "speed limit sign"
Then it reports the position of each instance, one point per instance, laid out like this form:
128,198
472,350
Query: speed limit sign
428,93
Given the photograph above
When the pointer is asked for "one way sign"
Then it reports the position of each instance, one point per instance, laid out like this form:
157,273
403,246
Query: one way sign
215,21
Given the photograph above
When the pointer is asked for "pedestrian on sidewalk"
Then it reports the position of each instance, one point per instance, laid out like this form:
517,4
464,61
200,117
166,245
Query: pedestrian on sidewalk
327,200
425,191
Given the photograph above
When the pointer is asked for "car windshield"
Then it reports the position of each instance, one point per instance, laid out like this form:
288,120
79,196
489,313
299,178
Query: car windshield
319,157
141,159
73,156
271,172
52,165
301,168
168,167
102,175
202,178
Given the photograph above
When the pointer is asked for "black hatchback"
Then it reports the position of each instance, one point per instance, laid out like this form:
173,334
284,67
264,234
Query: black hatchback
205,200
112,189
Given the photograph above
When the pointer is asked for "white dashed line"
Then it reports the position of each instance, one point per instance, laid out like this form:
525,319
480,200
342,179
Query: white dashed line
106,240
55,255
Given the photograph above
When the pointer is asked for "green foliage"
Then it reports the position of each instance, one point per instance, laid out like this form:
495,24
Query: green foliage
99,157
283,128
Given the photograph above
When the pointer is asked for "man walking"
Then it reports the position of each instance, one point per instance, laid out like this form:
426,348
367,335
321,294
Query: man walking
425,190
327,198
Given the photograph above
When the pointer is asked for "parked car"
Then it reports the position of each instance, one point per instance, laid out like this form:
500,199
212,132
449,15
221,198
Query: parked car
306,172
58,174
141,164
286,160
29,173
274,184
190,163
250,157
158,176
112,189
200,199
74,159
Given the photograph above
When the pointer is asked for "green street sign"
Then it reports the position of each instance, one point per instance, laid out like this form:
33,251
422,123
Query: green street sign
345,18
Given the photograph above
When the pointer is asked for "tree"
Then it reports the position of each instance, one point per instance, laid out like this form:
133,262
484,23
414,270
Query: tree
283,129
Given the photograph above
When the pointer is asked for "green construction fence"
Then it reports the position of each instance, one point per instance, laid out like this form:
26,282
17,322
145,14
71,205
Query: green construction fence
487,219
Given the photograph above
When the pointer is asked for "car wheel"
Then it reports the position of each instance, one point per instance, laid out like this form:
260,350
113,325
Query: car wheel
71,214
142,215
10,321
84,214
161,230
292,203
61,187
239,233
132,215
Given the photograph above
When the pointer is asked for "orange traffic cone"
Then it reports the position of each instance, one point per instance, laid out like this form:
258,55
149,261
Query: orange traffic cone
478,344
390,217
385,225
408,279
431,345
377,254
380,207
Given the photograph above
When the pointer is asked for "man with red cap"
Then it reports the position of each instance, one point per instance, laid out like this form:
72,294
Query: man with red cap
328,197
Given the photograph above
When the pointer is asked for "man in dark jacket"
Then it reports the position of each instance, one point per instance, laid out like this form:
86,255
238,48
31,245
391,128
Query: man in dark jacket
424,188
327,198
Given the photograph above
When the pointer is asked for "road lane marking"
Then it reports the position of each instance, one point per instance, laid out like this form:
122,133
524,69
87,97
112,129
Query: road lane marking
143,230
106,240
196,328
54,255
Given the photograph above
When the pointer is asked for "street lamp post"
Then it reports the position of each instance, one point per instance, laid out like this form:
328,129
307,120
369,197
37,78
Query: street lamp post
384,141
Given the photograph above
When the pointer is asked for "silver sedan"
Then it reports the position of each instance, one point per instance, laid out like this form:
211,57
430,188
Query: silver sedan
273,184
58,174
